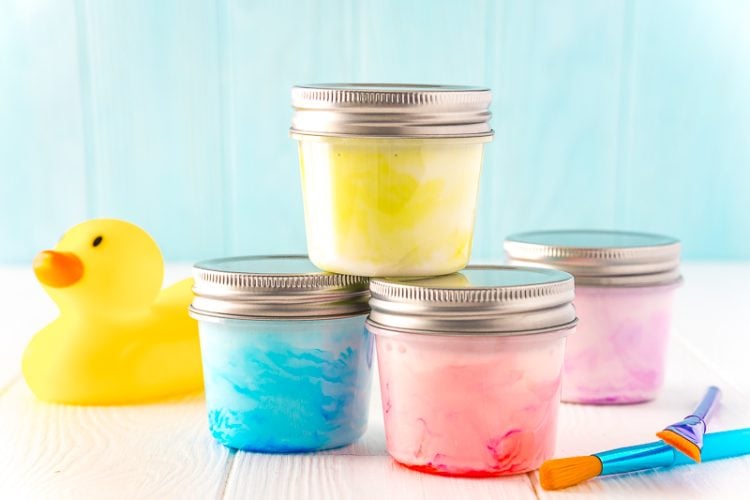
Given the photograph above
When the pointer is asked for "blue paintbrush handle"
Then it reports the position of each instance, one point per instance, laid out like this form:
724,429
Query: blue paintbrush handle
716,445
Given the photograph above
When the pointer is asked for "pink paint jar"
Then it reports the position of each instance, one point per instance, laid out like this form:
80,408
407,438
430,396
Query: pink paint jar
470,366
625,283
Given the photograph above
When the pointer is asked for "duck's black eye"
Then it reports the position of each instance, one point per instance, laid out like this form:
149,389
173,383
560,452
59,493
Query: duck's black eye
97,241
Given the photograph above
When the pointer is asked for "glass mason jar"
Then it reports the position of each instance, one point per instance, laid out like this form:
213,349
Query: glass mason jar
470,367
286,358
390,175
625,283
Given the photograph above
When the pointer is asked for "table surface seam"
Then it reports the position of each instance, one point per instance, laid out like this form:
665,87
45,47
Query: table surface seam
5,388
228,467
530,478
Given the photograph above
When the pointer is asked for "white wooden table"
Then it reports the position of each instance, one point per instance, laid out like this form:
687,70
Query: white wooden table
165,451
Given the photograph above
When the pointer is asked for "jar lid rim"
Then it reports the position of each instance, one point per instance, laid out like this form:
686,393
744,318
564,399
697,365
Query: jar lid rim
391,110
487,299
284,286
603,257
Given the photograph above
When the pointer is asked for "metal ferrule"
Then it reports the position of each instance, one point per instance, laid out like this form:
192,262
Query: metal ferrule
457,307
639,457
693,427
391,110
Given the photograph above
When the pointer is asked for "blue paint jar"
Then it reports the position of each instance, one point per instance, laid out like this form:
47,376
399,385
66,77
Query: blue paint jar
286,357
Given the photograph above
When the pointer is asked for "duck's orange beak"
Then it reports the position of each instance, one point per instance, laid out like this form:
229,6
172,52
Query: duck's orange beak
57,269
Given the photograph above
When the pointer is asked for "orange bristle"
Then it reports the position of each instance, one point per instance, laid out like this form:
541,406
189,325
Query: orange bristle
563,472
680,443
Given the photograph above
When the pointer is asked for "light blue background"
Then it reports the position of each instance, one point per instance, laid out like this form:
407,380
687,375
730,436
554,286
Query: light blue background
174,114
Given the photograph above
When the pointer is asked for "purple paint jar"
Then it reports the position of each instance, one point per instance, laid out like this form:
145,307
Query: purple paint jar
625,284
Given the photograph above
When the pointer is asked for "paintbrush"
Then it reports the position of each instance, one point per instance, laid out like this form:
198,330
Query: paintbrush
563,472
687,435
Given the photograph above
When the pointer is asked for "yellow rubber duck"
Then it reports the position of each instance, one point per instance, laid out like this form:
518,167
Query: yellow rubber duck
119,337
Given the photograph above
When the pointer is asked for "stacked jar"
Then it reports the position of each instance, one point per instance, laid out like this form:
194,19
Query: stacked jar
470,358
390,175
469,361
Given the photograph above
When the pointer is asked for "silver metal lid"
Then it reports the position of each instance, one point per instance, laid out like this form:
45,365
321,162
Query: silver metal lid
600,258
391,110
268,287
486,300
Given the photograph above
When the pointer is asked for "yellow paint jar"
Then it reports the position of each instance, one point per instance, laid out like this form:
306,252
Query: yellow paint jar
390,175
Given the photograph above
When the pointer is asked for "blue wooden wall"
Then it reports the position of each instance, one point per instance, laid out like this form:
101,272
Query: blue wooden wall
174,114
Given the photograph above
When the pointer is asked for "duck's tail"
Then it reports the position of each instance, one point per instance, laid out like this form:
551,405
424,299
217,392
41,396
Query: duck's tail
178,295
173,304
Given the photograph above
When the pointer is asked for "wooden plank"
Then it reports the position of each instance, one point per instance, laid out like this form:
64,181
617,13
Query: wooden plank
710,318
184,107
160,450
356,476
43,187
423,42
686,137
555,74
308,43
152,112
